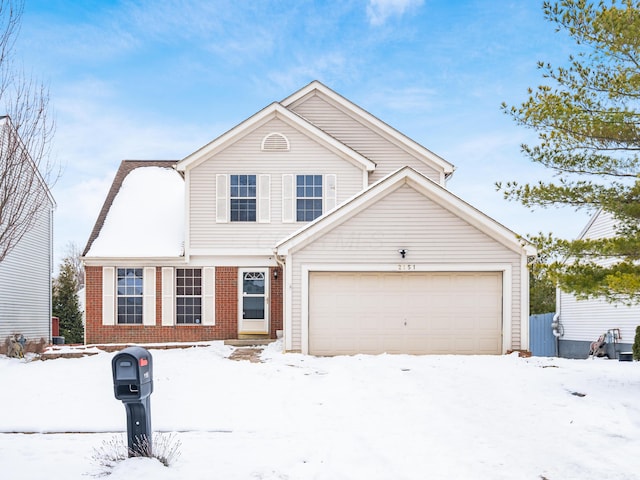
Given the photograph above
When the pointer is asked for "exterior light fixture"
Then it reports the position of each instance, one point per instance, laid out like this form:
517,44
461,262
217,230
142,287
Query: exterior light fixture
403,252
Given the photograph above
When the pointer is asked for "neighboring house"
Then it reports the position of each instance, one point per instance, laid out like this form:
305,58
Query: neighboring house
583,321
25,273
312,218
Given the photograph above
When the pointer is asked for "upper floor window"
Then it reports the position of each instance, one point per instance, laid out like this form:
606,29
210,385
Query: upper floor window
308,197
129,290
189,295
243,198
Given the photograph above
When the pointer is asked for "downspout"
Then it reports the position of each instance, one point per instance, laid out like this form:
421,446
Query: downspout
558,329
281,263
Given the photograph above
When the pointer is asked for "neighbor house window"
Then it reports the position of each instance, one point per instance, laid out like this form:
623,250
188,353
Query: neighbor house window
189,295
243,198
308,197
129,291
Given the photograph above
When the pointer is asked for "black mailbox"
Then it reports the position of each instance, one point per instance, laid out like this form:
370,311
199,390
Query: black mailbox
132,374
133,384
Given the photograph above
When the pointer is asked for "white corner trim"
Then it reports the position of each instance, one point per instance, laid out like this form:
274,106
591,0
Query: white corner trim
524,305
288,308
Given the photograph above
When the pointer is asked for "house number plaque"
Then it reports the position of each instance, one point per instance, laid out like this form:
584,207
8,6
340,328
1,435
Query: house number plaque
405,267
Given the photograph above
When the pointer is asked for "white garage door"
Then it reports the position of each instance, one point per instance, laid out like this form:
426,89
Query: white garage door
416,313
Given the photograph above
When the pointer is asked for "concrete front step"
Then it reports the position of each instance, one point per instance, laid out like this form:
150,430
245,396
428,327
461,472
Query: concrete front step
249,342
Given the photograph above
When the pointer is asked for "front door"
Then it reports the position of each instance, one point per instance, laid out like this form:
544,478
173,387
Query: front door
253,308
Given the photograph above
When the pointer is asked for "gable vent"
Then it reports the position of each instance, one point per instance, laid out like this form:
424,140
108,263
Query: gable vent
275,142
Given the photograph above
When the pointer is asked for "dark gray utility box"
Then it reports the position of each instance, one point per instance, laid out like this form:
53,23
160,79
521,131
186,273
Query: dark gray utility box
625,356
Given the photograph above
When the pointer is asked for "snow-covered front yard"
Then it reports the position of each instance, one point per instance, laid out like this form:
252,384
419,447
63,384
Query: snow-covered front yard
296,417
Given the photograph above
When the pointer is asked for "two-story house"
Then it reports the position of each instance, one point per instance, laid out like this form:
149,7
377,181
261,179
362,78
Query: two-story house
26,218
314,218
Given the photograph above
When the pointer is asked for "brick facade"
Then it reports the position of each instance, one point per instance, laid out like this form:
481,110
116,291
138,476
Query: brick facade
226,313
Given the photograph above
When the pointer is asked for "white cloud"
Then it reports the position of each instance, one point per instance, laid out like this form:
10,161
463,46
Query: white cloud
378,11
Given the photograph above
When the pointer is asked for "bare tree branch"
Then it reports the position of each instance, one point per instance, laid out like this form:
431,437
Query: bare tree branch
26,130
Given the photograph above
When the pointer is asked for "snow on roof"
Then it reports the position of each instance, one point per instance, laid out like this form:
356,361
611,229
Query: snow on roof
146,218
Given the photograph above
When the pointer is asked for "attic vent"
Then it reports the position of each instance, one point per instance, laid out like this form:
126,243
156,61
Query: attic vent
275,142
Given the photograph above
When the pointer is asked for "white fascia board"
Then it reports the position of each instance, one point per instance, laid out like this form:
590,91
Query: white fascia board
427,187
275,110
589,224
134,261
470,214
225,139
227,258
353,110
230,257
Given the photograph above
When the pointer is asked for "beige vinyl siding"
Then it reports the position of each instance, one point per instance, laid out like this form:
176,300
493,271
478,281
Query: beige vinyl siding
387,156
246,157
25,284
405,219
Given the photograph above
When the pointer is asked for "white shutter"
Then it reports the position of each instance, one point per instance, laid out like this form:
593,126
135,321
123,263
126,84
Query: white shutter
288,199
209,296
149,296
330,192
168,309
222,201
264,198
108,296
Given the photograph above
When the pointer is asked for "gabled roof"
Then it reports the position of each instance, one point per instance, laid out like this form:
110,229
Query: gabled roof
126,167
317,88
602,224
8,129
390,183
275,110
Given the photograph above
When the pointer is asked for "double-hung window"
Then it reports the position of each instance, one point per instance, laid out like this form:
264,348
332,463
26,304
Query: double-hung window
243,198
188,295
129,288
308,197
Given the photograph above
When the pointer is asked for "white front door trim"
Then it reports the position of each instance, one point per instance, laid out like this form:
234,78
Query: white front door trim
253,325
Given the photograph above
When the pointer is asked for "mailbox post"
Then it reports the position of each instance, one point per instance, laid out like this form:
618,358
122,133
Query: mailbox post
133,385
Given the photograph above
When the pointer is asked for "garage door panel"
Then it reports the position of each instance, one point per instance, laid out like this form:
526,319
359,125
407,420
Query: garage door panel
426,312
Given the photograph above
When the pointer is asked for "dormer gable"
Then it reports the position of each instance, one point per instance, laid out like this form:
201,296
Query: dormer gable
275,140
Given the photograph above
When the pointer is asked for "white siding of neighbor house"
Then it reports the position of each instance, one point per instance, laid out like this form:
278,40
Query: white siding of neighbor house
406,219
602,226
586,320
25,284
387,155
246,157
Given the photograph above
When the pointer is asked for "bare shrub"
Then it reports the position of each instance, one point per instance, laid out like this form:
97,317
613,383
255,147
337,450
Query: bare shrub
165,448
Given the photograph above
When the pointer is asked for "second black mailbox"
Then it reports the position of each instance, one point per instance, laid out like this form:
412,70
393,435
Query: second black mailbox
132,374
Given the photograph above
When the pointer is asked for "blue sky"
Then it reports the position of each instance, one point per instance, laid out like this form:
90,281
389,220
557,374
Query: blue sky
157,79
